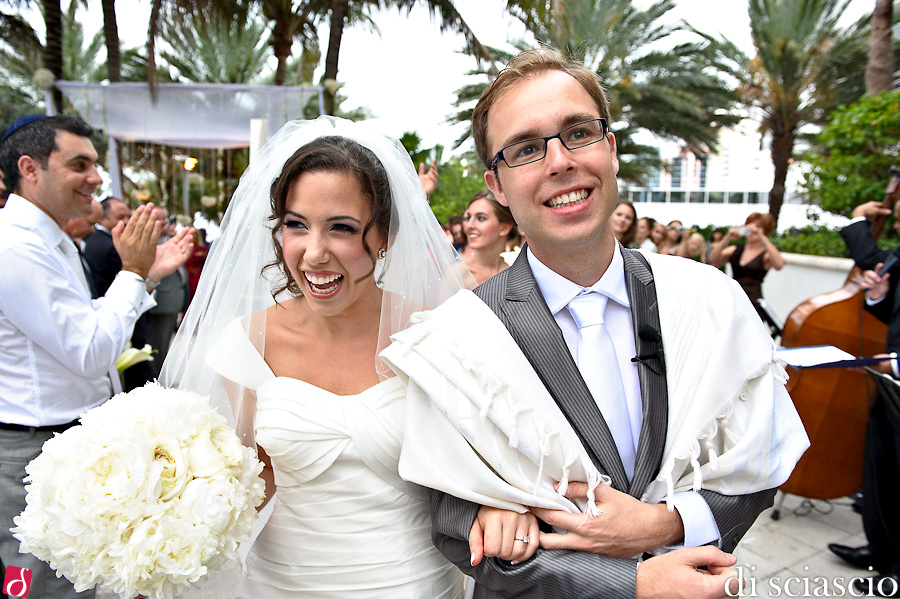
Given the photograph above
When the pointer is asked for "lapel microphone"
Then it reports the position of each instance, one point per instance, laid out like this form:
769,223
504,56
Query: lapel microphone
649,333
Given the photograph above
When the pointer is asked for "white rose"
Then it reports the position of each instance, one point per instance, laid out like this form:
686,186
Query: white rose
203,457
175,472
228,445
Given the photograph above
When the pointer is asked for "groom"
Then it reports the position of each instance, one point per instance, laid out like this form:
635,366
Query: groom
541,129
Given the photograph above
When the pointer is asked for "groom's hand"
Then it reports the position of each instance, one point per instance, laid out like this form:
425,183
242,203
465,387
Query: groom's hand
504,534
627,526
676,575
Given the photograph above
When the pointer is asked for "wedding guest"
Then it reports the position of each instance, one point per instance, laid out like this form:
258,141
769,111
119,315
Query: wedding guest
330,247
104,264
752,259
624,223
59,346
658,235
692,246
541,129
195,263
455,225
642,234
488,227
171,300
673,237
80,227
99,250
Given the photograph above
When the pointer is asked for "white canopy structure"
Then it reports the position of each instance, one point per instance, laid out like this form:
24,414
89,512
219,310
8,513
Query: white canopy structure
209,115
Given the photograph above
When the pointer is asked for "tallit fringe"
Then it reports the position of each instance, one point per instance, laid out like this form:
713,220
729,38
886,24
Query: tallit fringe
496,391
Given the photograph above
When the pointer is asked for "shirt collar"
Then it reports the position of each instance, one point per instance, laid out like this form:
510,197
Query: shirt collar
23,214
558,291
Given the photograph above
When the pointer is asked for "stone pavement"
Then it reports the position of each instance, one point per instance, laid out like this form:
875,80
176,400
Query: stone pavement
789,557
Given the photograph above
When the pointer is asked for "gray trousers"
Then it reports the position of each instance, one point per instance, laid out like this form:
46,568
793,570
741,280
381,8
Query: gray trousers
16,450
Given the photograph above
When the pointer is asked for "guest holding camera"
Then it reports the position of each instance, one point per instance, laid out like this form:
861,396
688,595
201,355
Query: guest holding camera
751,259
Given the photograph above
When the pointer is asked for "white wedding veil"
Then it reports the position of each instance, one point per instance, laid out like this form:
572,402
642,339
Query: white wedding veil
420,269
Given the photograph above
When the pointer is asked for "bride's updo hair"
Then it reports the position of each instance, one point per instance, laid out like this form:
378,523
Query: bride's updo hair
331,154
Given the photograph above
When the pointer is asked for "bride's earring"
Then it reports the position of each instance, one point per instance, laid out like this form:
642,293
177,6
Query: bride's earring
379,267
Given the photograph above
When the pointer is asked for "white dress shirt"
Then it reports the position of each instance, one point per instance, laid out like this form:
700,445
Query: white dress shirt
699,525
57,346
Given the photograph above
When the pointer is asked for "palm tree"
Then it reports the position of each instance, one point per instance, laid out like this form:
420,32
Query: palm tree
111,35
791,79
677,92
880,68
21,53
207,46
52,48
53,59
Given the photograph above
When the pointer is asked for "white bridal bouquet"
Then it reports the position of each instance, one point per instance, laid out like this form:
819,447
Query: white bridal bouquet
147,495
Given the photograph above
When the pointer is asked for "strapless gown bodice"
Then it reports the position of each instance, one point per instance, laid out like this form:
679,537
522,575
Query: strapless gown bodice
344,524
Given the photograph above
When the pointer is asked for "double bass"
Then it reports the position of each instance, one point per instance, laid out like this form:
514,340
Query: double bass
833,403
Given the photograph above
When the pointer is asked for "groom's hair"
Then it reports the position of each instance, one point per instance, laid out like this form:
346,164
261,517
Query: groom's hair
331,154
521,67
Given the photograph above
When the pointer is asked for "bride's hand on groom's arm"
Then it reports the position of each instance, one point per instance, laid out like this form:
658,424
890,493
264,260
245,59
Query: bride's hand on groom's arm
626,528
500,533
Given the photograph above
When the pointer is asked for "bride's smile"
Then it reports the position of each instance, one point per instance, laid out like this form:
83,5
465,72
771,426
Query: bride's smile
322,235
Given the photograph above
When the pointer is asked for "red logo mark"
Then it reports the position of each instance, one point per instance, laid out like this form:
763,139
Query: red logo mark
17,581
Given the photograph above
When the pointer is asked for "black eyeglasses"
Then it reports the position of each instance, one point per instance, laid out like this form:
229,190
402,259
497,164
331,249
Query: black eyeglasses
534,149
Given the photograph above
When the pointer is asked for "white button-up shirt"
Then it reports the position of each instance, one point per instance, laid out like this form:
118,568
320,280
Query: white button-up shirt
57,346
699,525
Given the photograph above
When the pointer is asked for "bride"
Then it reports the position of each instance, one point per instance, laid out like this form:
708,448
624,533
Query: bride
327,248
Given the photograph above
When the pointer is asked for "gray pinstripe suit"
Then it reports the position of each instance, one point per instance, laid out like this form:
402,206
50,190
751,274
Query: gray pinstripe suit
515,298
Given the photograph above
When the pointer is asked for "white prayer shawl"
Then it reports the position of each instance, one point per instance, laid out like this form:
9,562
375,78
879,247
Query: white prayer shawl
480,425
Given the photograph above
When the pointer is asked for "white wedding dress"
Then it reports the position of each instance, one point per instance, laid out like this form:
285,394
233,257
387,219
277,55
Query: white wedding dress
343,524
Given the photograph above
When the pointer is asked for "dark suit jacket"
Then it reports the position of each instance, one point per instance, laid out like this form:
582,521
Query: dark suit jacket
105,264
516,299
865,252
103,259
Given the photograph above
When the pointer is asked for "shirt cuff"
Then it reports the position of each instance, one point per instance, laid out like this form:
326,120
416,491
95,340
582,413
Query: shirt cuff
699,525
874,302
129,287
857,219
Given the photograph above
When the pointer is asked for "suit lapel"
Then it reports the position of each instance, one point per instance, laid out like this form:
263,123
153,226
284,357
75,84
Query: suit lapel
533,327
651,373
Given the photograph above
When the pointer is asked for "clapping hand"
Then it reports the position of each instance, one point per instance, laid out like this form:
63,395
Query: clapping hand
172,254
135,242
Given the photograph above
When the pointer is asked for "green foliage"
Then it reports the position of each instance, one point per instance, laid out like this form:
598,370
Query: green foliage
81,58
459,179
677,91
861,143
207,46
817,241
822,241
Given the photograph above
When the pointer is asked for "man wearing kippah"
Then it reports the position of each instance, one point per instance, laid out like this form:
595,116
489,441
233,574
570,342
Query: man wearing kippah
59,345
